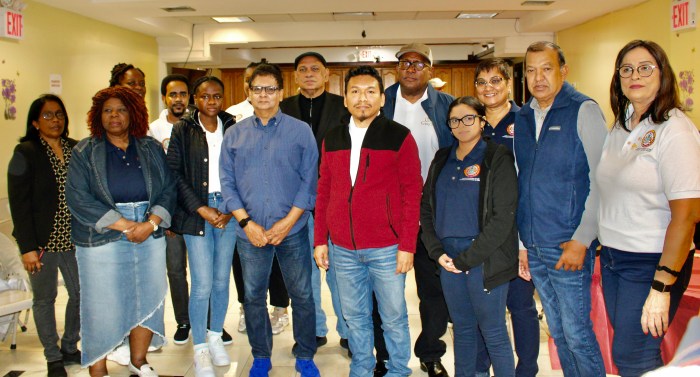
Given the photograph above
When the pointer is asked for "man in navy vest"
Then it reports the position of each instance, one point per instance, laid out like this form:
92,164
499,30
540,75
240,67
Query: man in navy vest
559,136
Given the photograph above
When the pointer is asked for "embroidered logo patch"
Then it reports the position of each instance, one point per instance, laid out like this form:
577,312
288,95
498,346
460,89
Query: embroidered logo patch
472,171
511,129
648,139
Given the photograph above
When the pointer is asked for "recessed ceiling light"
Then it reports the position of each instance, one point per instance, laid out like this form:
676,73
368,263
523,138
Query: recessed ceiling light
354,14
232,19
476,15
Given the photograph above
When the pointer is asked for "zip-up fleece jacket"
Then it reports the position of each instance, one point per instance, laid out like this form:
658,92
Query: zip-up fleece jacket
188,154
382,208
552,171
496,246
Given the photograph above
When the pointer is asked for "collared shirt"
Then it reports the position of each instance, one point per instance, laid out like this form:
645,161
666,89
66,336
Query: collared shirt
504,131
457,194
413,116
214,140
124,175
540,115
269,169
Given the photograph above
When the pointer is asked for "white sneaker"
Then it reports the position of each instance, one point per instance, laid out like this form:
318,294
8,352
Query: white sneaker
279,319
219,356
121,355
202,364
241,321
145,370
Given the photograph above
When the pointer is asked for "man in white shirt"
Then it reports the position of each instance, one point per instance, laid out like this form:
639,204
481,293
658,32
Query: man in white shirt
244,109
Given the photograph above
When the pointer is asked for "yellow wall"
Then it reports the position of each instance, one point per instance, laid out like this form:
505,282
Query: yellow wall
82,51
591,49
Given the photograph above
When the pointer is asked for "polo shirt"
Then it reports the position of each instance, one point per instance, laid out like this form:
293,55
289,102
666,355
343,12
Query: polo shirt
504,131
639,173
124,176
414,117
457,194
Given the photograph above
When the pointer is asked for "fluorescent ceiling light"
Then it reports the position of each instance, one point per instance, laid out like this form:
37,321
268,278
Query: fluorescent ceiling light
232,19
354,14
477,15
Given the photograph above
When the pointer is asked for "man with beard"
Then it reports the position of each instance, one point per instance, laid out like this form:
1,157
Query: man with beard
176,96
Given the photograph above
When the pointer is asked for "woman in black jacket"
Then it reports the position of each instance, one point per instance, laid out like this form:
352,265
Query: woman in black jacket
36,181
468,222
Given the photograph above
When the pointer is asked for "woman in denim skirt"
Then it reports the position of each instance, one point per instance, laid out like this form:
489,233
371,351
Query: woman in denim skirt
121,195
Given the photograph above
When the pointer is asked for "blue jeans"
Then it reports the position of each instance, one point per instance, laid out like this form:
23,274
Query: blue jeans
358,273
473,308
340,326
210,259
566,299
526,331
293,256
626,281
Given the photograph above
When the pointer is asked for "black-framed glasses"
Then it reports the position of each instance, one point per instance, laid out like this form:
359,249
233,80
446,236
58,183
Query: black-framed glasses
493,81
417,65
207,97
49,115
467,120
268,89
644,70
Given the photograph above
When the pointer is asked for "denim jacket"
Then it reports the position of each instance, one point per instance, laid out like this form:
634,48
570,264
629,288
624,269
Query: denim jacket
89,199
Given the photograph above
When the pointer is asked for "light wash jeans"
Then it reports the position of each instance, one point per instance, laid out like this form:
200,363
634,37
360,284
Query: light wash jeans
566,299
293,256
321,327
358,273
210,257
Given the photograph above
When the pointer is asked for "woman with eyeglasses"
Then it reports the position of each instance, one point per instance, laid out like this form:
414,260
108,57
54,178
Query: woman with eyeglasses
36,181
649,181
468,223
193,157
493,90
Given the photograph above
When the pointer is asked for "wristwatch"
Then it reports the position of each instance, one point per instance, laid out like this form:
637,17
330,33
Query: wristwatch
155,226
244,222
661,287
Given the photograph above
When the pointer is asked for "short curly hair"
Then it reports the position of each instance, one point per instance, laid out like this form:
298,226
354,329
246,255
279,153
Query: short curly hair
135,104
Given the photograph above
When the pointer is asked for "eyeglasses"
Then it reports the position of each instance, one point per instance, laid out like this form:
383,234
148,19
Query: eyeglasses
493,81
268,89
644,70
467,120
49,115
417,65
206,97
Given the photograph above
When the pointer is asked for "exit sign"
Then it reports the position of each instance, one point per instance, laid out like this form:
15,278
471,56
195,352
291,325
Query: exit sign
683,15
365,55
12,24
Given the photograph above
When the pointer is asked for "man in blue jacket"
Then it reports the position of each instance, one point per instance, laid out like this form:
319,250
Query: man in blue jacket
559,136
415,104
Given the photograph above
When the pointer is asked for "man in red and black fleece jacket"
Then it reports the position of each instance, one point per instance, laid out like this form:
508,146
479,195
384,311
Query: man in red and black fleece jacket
368,202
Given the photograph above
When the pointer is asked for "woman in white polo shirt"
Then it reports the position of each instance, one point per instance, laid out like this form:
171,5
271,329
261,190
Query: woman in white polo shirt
649,178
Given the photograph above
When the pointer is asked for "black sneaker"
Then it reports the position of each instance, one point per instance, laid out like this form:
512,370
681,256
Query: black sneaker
345,344
380,369
71,358
56,369
226,338
182,334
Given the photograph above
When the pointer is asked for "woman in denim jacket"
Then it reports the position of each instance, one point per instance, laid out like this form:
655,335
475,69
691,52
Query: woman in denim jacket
121,196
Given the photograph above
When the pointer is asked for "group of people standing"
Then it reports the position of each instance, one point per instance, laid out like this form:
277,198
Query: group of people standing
486,200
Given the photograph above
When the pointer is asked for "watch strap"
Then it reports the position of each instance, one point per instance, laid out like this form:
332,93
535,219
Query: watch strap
660,286
244,222
155,226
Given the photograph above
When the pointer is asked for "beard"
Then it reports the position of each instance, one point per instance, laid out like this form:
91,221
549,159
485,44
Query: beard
180,113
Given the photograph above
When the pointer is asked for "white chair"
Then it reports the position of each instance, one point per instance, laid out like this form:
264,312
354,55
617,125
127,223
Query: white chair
19,298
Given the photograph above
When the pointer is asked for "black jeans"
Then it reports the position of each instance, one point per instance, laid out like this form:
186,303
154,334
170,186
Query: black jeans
176,263
432,308
278,291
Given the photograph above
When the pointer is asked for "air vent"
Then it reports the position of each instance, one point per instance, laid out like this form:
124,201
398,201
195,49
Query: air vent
536,3
179,9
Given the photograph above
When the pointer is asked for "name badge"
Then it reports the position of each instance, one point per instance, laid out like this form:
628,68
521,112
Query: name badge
555,128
